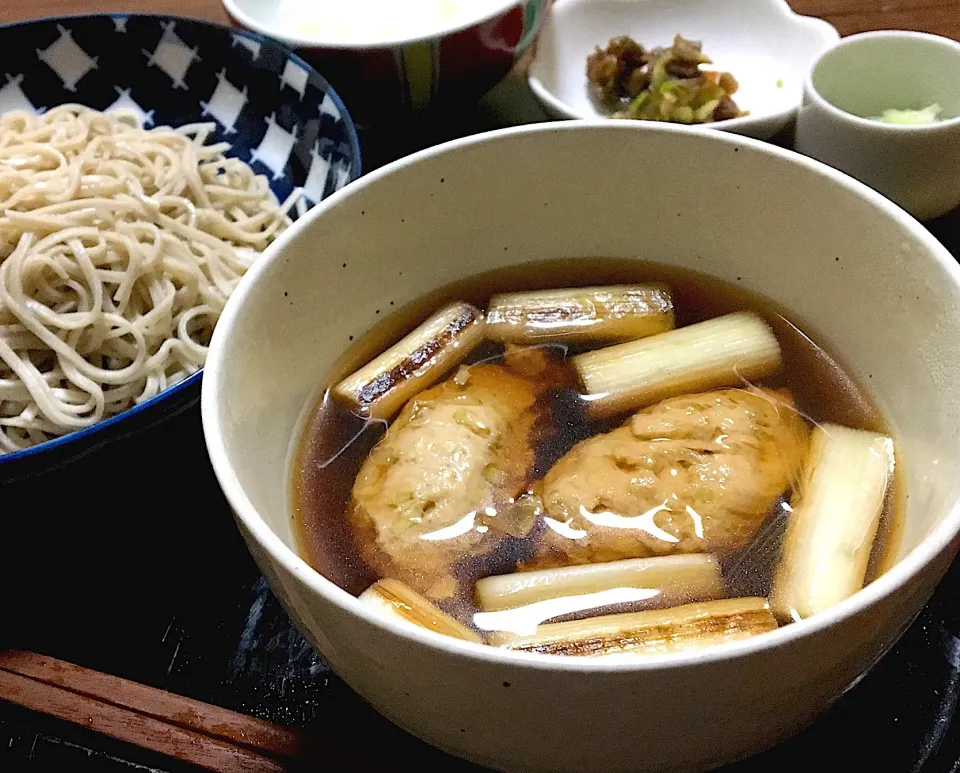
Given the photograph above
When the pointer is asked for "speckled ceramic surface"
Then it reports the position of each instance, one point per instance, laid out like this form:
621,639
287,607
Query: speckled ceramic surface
840,257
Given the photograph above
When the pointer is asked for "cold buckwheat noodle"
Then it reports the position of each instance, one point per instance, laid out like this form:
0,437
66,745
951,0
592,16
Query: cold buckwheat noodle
119,247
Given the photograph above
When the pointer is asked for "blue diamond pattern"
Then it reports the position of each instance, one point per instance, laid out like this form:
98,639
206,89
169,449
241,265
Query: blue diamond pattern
276,111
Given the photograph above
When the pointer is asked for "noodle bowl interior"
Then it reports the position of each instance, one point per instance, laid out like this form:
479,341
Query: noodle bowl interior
119,247
653,462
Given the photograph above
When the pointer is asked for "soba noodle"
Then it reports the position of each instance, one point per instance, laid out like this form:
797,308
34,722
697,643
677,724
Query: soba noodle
119,247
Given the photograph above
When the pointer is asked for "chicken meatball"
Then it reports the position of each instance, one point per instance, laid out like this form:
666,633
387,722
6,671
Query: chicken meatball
692,474
456,454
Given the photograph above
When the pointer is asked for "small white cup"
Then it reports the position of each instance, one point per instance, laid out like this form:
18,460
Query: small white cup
918,167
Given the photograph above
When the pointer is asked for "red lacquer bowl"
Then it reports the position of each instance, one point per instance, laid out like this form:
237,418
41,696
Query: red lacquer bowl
376,81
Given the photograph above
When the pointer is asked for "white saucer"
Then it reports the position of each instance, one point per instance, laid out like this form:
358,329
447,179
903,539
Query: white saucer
765,45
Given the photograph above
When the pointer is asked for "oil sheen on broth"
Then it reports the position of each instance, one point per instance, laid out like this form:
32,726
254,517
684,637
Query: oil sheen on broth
335,443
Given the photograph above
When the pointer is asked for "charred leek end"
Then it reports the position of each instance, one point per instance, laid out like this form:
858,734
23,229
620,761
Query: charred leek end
392,598
672,579
719,352
653,632
581,315
380,388
834,522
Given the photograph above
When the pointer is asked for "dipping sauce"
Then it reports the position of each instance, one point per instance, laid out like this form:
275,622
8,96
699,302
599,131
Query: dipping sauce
557,542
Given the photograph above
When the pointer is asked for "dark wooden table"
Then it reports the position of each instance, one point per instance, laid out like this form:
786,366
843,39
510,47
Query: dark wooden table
150,580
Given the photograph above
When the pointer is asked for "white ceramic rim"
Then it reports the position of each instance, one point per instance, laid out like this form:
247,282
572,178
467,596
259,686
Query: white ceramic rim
276,32
548,98
895,578
852,118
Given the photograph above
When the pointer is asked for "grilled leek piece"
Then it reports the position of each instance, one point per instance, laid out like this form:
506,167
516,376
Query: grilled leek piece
834,520
673,579
381,387
720,352
392,598
652,632
580,315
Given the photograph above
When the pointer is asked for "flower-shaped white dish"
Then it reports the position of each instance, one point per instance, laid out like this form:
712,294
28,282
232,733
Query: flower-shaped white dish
763,43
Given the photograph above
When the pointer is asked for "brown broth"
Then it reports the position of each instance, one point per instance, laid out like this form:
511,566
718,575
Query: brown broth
334,442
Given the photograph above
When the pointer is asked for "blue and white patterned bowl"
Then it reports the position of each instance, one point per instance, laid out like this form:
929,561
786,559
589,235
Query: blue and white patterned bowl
278,113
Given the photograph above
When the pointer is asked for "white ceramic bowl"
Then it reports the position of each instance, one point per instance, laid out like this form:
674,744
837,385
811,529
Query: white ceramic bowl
766,46
855,270
916,166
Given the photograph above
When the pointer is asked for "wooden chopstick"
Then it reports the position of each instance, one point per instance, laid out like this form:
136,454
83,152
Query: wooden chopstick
194,715
208,736
136,728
